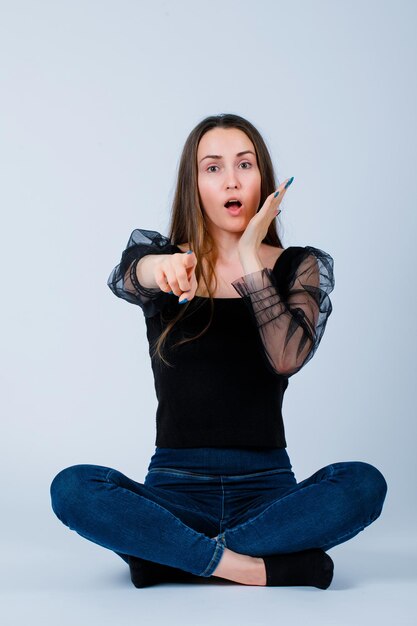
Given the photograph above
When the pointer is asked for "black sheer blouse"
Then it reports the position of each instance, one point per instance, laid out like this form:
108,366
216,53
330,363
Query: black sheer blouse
254,349
289,304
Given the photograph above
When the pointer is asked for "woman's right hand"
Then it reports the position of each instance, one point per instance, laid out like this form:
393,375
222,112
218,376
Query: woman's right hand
176,272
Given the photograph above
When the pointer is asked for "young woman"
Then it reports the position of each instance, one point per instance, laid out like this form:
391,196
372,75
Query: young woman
231,315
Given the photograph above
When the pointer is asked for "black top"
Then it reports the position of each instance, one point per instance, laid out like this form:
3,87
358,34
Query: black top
226,388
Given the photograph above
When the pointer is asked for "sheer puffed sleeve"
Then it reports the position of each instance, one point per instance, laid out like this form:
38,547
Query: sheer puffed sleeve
123,279
290,306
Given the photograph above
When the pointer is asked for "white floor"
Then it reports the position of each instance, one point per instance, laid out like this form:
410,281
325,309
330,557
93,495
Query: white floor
67,581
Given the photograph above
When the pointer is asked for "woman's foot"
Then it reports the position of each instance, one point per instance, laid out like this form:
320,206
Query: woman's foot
305,568
241,568
311,567
145,573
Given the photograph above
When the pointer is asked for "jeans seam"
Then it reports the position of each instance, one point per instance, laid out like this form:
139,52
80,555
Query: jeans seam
214,560
261,474
174,472
222,514
341,539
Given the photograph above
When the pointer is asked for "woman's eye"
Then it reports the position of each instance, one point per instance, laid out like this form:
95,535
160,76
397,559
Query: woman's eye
244,163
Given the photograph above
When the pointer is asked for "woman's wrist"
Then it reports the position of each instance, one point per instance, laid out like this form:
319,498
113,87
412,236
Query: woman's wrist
250,260
145,270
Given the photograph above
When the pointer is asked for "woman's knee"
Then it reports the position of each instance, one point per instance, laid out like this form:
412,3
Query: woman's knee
370,487
68,487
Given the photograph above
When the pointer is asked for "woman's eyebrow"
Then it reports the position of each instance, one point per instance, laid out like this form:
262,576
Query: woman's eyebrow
218,156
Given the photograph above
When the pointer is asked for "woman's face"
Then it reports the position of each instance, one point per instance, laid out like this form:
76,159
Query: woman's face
223,174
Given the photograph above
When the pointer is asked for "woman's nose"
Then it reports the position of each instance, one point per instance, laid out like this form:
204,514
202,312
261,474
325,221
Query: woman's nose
231,180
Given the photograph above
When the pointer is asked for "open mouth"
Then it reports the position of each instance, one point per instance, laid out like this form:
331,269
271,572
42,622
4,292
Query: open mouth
233,204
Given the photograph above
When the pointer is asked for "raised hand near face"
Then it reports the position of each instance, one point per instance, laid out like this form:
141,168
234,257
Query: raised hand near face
257,228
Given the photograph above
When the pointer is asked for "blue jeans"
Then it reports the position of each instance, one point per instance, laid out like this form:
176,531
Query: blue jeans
248,497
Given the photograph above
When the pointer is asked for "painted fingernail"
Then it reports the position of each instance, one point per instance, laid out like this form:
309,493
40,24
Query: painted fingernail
189,252
170,292
289,182
183,301
276,193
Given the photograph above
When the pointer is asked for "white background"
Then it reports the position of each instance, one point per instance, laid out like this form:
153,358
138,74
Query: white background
97,99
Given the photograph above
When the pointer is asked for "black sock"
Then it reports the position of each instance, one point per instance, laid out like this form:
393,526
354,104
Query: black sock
308,567
146,573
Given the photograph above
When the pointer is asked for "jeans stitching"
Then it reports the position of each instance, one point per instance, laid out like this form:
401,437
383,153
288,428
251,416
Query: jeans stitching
174,472
341,539
171,470
272,472
222,515
213,559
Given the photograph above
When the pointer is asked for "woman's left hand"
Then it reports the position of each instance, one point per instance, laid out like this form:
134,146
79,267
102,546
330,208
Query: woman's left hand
257,228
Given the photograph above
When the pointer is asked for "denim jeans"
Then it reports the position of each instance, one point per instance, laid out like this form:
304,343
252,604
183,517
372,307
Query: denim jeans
248,497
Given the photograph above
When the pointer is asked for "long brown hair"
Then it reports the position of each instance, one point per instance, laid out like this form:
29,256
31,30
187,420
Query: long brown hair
187,223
